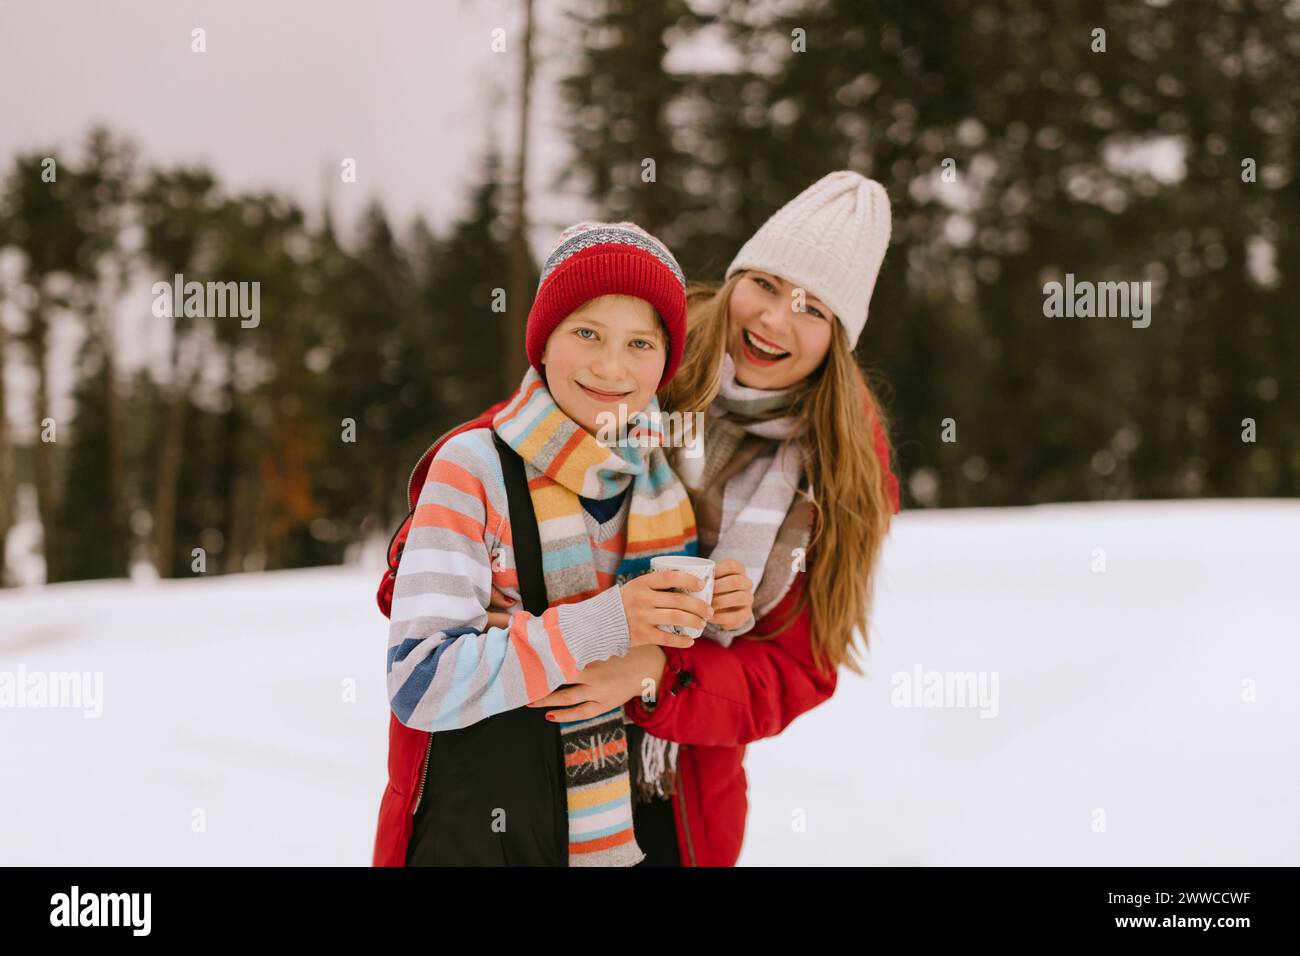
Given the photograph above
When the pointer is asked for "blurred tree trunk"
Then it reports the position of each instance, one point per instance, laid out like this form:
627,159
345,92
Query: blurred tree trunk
238,523
105,199
47,505
180,211
231,497
100,324
654,146
6,468
517,305
116,466
169,464
259,506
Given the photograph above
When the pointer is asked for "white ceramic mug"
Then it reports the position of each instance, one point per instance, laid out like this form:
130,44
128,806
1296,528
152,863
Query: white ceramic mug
702,568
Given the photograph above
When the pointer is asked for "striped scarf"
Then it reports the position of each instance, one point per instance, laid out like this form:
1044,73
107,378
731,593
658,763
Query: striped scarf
562,461
744,488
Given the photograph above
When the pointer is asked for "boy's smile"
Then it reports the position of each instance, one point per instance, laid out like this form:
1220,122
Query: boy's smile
605,395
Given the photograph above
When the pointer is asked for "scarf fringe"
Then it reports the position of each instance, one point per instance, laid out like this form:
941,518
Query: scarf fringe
658,777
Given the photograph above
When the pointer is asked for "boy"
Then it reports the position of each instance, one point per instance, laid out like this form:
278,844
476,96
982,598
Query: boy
607,328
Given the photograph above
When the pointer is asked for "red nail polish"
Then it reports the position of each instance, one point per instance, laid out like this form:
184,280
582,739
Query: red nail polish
549,717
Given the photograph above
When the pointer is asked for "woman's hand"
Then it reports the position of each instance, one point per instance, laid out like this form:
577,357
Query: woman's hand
648,601
733,594
603,685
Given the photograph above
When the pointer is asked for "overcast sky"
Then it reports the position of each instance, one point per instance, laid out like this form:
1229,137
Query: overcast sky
286,90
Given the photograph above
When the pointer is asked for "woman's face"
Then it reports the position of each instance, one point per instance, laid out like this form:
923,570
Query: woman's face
608,352
772,344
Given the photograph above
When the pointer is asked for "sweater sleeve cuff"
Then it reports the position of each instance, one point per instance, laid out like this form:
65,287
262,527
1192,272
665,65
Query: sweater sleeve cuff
725,637
595,629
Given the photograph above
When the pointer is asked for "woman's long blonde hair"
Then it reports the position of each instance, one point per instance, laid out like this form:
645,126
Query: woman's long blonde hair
851,499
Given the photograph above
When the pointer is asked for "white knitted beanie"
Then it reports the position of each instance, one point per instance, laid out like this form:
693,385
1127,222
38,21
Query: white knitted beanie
830,241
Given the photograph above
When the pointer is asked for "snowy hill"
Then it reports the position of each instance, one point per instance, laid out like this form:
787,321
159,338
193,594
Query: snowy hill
1147,713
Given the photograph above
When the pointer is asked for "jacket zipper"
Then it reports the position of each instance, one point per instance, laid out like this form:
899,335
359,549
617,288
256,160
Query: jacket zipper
411,477
424,775
681,778
681,801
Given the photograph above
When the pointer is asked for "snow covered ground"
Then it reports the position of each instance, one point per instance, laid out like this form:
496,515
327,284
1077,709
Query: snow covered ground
1147,713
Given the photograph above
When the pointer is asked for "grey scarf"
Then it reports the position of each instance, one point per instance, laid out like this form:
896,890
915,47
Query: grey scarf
745,490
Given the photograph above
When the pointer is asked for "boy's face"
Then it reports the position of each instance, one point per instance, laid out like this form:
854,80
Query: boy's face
609,352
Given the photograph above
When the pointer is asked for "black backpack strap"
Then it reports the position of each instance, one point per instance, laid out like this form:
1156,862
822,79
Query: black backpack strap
523,529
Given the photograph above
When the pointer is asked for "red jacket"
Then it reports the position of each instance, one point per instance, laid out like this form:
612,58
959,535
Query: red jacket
717,701
721,698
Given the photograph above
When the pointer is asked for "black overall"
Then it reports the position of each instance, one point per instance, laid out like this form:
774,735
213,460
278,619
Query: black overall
652,822
494,792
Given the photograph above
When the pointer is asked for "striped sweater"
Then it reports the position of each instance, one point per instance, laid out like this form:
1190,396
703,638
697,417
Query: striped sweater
446,668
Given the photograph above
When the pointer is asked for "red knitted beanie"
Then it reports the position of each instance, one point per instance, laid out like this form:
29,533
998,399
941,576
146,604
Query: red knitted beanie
593,259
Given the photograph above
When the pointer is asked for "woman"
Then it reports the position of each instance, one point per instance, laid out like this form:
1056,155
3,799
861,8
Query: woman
794,485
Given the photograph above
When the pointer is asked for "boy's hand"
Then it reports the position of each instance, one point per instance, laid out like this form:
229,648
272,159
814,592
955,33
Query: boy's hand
603,685
649,602
733,594
499,609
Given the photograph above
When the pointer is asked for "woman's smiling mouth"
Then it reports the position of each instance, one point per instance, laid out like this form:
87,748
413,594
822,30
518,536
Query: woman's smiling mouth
759,351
